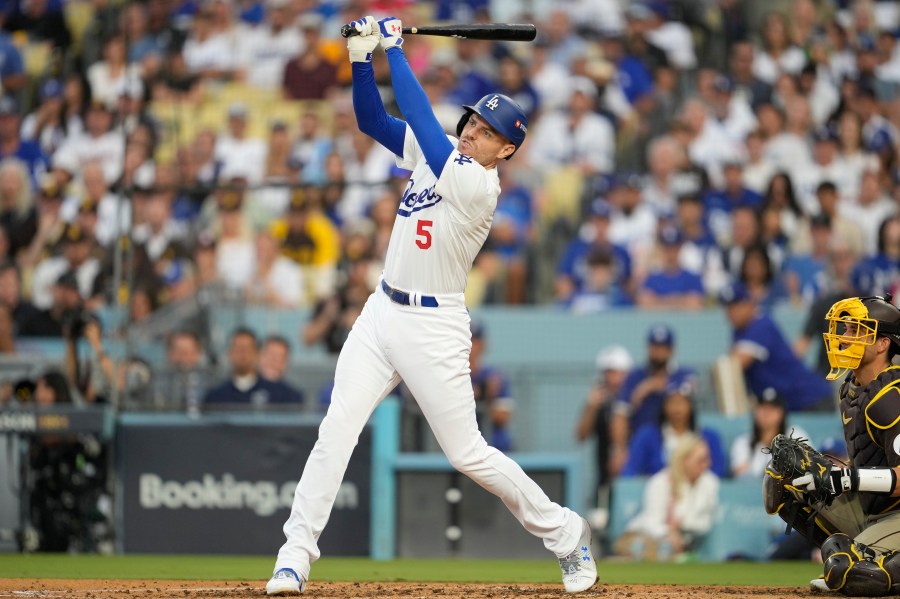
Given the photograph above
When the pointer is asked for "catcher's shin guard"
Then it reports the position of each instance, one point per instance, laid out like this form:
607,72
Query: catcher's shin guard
854,569
778,499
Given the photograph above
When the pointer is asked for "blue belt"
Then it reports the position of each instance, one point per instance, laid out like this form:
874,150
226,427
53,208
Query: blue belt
402,297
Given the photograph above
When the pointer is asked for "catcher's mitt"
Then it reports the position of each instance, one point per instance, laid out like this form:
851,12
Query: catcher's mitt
795,459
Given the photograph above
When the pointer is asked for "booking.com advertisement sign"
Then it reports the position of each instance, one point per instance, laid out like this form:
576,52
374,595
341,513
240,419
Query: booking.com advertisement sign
224,484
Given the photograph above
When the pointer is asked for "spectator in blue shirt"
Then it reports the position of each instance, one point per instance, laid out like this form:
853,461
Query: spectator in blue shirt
766,357
571,274
12,144
720,203
874,274
671,285
274,359
244,385
642,395
652,445
12,67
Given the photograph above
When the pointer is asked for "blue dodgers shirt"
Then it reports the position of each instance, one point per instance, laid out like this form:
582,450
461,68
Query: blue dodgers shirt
648,411
777,366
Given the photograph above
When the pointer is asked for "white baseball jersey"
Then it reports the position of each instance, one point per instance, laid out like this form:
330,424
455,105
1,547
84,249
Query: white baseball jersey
441,224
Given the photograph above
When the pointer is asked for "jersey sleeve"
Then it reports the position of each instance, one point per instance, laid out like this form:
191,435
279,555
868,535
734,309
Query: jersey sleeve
883,422
464,185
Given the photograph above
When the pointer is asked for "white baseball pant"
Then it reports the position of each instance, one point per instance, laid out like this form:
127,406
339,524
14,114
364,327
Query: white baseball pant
429,349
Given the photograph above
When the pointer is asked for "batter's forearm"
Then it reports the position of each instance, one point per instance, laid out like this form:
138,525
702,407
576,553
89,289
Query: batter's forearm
371,117
417,111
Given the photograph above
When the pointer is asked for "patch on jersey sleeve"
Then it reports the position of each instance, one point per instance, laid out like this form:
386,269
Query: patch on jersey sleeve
896,445
463,159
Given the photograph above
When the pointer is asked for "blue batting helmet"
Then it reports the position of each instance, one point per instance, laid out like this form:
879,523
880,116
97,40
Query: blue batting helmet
503,114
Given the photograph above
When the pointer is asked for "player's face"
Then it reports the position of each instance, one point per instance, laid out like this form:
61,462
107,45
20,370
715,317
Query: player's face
480,141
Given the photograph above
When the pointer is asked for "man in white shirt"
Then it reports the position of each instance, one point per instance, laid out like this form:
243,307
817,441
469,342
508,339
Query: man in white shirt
238,155
267,49
98,143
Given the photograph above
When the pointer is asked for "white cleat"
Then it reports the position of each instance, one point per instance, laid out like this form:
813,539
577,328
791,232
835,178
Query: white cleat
285,582
579,570
817,585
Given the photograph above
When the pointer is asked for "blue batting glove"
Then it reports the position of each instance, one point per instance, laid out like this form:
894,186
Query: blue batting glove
391,31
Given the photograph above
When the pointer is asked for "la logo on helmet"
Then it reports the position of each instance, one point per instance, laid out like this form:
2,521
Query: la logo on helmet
493,102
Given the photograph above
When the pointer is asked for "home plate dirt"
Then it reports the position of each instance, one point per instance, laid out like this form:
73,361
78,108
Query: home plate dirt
24,588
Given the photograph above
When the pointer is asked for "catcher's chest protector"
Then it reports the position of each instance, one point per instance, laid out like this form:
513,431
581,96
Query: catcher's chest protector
863,450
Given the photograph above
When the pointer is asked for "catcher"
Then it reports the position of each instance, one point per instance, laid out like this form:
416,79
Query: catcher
851,511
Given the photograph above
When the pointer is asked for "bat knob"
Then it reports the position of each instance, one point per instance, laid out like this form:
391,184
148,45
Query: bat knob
348,31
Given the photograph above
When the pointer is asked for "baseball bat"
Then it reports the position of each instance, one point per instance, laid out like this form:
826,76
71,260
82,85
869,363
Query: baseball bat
481,31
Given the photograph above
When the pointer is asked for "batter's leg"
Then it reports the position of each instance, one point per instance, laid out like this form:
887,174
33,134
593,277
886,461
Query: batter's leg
363,377
436,371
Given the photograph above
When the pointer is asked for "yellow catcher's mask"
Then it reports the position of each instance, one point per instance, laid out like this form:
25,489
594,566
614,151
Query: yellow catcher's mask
853,325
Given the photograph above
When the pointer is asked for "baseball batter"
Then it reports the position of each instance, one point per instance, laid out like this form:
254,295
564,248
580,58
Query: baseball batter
851,511
415,325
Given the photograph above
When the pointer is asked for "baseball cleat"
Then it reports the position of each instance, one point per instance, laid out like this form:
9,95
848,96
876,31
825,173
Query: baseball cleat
817,585
579,570
285,582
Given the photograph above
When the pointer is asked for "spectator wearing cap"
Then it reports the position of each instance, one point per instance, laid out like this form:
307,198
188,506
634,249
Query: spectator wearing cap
732,111
46,124
650,449
13,145
633,224
98,143
76,257
494,403
277,281
767,359
613,364
769,418
599,290
572,270
640,401
108,208
12,68
310,75
209,54
777,54
826,165
238,154
310,239
669,285
235,252
576,136
266,49
719,204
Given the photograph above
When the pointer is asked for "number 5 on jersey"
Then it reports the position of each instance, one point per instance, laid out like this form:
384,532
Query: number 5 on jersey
423,235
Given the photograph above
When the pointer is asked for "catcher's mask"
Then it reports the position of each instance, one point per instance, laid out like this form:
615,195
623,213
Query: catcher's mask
853,325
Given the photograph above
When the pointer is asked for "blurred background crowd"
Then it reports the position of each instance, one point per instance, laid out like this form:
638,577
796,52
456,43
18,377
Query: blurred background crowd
681,153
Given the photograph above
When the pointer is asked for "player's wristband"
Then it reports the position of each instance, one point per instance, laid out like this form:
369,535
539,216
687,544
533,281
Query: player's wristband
877,480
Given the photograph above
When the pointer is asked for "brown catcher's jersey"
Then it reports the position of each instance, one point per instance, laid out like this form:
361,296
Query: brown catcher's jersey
871,417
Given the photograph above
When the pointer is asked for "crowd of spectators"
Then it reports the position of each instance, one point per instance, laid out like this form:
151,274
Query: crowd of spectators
671,152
